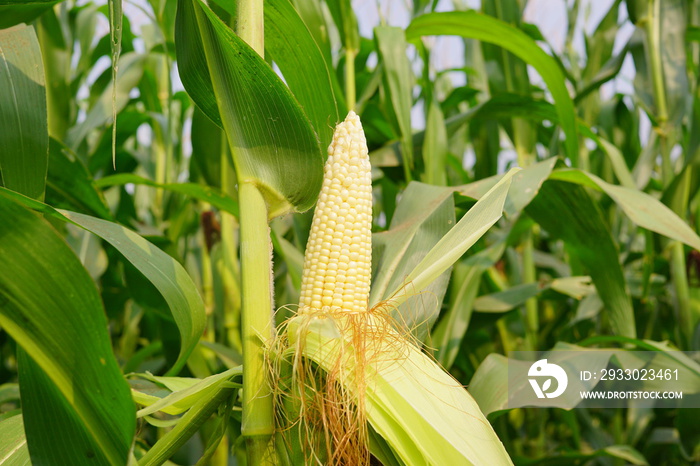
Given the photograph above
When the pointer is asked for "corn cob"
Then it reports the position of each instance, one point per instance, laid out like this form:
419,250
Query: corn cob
338,259
424,414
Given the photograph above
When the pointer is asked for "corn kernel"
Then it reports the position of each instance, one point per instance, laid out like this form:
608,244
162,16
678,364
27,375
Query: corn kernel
340,237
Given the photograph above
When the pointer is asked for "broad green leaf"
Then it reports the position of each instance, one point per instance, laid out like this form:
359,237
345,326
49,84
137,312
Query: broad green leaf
599,49
46,383
55,52
273,144
423,414
208,144
451,246
391,44
47,290
568,212
641,208
164,272
346,22
185,392
673,58
435,148
197,191
617,160
294,50
489,384
190,423
65,443
13,444
506,300
476,26
13,12
526,184
24,136
70,185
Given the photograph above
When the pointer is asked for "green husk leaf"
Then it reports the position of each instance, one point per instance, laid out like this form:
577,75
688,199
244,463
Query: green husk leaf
461,237
424,415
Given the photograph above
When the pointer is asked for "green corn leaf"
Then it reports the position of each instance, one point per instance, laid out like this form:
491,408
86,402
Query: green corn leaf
208,142
424,215
164,272
485,28
76,375
447,335
197,191
451,246
435,148
391,42
185,392
641,208
272,142
568,212
305,71
13,443
70,185
24,142
14,12
489,385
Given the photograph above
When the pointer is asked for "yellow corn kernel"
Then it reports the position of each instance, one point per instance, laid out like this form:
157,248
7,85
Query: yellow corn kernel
338,260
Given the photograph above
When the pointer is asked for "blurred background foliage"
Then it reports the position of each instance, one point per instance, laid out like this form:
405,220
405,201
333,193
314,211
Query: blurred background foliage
607,110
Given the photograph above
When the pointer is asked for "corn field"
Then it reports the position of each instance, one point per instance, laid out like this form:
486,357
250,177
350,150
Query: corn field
318,232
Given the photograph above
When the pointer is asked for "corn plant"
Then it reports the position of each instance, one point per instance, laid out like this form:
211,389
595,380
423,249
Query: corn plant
169,294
